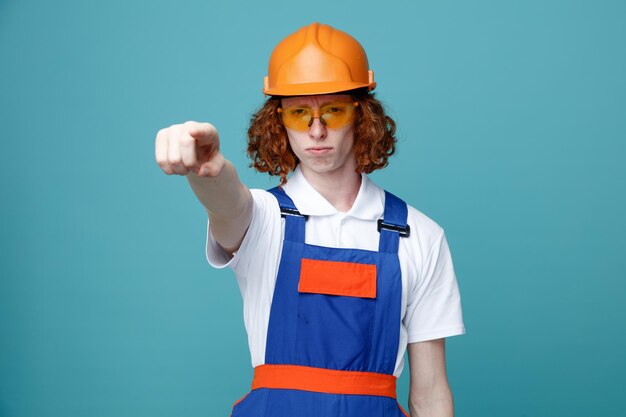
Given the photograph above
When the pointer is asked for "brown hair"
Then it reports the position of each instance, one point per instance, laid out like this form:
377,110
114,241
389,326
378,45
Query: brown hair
374,137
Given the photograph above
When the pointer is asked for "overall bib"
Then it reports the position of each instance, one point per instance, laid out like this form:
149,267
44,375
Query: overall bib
334,326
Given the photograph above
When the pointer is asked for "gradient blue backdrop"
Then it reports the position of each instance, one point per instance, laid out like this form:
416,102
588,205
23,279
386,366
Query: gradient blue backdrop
512,121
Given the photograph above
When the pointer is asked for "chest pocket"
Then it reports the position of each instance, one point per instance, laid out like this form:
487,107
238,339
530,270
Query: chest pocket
336,306
337,278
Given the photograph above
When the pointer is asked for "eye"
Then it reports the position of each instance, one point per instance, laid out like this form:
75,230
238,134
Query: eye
298,111
334,109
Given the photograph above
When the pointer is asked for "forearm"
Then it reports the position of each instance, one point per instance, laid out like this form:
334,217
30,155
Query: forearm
437,402
222,195
228,203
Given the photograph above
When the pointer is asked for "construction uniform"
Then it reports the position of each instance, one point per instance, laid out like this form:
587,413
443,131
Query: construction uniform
331,299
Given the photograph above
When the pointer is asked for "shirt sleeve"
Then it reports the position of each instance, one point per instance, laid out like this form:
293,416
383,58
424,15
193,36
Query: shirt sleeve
261,243
434,303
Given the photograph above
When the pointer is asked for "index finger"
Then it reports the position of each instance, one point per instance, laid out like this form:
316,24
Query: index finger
203,133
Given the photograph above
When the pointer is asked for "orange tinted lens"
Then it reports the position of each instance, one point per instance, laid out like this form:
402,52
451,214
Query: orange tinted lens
297,118
333,115
336,115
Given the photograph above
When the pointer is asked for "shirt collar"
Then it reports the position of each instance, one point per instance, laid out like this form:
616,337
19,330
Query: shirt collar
369,203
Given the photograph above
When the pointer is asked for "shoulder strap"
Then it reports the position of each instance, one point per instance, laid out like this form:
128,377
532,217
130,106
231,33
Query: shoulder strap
393,225
294,221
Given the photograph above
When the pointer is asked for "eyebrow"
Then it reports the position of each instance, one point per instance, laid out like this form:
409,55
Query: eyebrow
323,102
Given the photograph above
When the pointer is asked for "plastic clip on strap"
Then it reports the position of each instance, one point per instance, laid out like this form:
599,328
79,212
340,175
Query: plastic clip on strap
404,231
284,212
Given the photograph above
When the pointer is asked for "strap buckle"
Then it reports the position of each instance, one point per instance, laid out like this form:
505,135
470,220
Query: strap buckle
404,231
284,212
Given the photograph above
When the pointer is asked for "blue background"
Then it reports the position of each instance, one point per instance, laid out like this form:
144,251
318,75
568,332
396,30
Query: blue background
512,122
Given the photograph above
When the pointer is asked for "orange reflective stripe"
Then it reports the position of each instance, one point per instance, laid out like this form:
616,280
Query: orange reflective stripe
338,278
331,381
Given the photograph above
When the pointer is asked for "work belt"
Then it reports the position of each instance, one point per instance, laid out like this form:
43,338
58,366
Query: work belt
331,381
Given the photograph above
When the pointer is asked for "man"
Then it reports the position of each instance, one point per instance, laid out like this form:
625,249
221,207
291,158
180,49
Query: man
338,277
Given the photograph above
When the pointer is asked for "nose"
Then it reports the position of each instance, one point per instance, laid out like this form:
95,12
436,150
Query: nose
317,130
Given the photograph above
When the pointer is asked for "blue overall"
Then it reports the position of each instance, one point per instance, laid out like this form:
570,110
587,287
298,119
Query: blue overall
330,331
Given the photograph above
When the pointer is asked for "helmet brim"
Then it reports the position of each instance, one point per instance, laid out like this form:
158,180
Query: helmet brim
310,89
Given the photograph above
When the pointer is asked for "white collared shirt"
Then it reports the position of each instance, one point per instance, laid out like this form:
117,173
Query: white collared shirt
431,302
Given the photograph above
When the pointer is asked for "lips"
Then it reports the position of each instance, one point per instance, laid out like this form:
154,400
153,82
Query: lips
319,150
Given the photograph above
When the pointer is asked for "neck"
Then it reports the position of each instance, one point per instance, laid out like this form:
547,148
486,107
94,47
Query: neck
339,188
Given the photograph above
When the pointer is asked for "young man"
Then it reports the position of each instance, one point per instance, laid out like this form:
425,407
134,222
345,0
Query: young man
338,277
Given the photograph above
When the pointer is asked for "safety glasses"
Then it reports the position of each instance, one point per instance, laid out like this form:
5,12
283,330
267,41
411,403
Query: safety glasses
333,115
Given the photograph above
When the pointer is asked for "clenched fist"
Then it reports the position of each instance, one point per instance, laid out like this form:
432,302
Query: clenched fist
189,147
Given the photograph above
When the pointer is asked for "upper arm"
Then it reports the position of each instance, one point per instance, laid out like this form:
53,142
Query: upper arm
261,238
230,230
427,362
433,308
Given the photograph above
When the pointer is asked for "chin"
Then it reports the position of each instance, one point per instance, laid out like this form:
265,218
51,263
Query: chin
320,169
325,168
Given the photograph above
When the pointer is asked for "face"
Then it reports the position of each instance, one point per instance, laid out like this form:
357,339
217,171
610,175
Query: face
322,149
